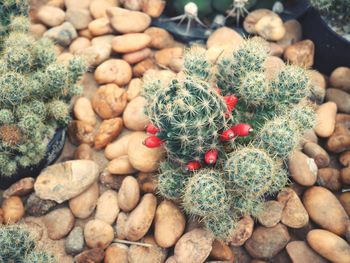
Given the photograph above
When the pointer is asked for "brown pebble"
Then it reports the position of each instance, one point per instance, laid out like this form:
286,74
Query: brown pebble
301,53
94,255
339,141
148,182
13,209
271,213
221,251
329,178
344,199
20,188
316,152
83,152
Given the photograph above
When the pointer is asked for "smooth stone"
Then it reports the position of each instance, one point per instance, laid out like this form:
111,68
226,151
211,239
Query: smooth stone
74,243
302,168
83,111
90,256
63,34
340,78
102,40
107,208
134,114
221,251
243,231
63,181
271,213
83,205
134,88
51,16
148,182
108,131
165,56
98,234
142,67
253,17
270,27
339,97
120,20
160,38
121,166
267,242
117,253
37,30
77,4
59,223
129,194
79,18
100,27
97,54
80,132
325,210
194,246
12,210
329,178
153,254
37,207
299,251
301,53
329,245
294,214
339,141
115,71
121,225
169,224
224,36
153,8
294,33
130,42
137,56
20,188
325,119
98,8
79,45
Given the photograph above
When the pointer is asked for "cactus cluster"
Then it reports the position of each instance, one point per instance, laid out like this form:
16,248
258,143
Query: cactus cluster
201,119
19,245
35,93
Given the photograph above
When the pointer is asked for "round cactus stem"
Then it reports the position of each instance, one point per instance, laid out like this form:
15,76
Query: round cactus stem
192,166
211,156
150,128
242,129
153,142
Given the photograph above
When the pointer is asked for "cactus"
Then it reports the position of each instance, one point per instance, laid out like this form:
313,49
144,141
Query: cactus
34,97
205,194
18,245
171,181
222,226
197,64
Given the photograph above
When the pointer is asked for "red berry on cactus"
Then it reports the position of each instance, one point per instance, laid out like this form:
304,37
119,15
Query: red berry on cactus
227,135
231,102
151,129
242,129
153,142
211,156
194,165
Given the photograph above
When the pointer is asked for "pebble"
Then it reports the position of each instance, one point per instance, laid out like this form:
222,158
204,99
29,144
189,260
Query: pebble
141,157
169,224
221,251
37,30
80,132
121,225
301,53
275,49
107,208
38,207
98,234
102,40
120,20
90,256
165,56
325,119
12,209
329,245
97,54
77,4
270,27
223,37
316,152
294,214
79,18
100,27
318,86
340,79
115,71
117,253
63,34
129,194
121,166
148,182
325,210
193,247
64,58
20,188
299,251
109,101
294,33
134,116
153,254
59,223
140,219
329,178
83,111
243,231
108,131
74,243
271,213
160,38
134,88
63,181
111,181
339,141
79,45
98,8
273,65
134,5
344,199
302,168
137,56
83,152
142,67
130,42
153,8
339,97
267,242
51,16
253,17
84,204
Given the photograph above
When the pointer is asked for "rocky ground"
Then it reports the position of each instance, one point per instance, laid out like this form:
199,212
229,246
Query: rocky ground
107,210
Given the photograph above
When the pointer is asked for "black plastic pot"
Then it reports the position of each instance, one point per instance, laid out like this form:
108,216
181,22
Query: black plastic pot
331,49
54,149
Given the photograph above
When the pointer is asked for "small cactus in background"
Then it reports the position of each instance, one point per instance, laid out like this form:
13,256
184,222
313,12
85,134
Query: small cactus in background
196,63
34,97
222,225
18,245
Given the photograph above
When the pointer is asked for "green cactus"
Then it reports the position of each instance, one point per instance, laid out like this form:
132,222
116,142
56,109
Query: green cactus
303,115
171,181
205,194
197,64
18,245
222,226
34,96
254,89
